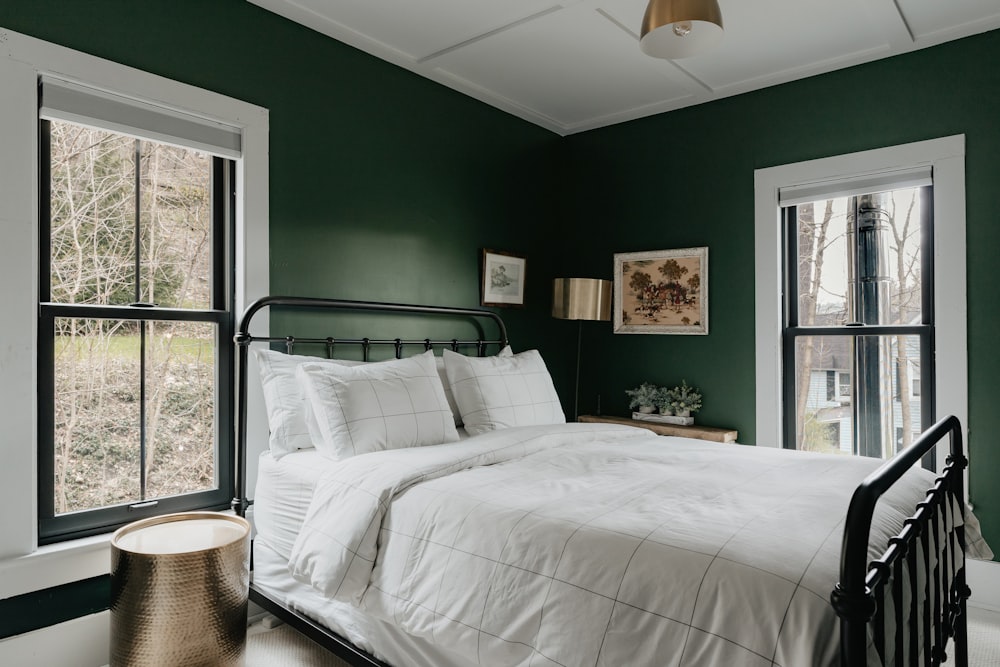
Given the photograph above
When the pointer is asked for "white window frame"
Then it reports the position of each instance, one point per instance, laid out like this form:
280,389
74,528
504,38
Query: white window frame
946,157
23,566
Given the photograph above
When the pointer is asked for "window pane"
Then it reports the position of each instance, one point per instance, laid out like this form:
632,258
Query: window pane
823,407
888,227
96,405
175,188
881,395
93,226
180,394
99,409
93,219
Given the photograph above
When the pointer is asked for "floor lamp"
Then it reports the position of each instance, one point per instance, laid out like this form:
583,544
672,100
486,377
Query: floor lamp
581,299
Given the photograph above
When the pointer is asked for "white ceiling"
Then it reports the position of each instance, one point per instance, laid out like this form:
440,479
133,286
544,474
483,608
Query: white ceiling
576,65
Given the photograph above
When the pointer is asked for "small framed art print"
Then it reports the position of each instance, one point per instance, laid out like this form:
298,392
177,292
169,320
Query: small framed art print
502,279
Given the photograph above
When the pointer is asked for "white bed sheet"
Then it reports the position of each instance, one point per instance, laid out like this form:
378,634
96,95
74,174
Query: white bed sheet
284,490
285,487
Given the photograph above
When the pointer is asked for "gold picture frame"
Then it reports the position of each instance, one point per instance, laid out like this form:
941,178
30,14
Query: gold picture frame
501,281
661,292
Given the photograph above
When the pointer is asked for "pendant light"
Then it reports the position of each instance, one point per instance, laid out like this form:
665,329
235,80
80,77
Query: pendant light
675,29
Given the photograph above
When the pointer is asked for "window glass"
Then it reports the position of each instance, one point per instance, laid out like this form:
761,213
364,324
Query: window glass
831,237
858,265
137,409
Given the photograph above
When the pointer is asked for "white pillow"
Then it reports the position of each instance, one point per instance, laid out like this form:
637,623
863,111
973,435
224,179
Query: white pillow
448,393
283,399
503,391
370,408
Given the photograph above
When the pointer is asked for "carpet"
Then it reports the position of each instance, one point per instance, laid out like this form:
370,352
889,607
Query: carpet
284,647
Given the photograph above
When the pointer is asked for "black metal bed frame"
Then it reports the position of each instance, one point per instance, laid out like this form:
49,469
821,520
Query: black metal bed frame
932,541
323,636
859,598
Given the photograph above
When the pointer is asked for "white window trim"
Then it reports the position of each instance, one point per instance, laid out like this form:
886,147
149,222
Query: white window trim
24,567
946,156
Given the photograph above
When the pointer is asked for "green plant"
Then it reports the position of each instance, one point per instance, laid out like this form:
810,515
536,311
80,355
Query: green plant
680,399
646,394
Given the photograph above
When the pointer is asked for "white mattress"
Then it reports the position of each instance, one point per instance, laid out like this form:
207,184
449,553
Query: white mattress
284,489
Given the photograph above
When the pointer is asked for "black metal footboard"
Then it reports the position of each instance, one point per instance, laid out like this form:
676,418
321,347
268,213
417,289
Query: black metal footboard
910,601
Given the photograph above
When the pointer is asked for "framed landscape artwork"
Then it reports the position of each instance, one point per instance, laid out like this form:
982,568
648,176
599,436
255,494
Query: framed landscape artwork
502,280
662,292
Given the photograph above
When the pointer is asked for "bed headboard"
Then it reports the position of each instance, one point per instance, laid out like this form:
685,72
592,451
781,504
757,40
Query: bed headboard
244,339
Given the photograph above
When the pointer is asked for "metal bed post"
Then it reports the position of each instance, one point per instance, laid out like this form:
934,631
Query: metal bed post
857,598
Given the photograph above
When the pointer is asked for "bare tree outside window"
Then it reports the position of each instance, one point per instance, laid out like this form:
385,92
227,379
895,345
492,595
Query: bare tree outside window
110,247
828,287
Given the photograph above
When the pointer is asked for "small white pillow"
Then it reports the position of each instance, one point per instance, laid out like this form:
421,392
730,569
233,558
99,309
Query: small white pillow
283,399
503,391
370,408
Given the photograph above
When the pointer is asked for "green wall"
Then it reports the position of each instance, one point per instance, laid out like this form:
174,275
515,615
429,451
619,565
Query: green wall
384,186
685,178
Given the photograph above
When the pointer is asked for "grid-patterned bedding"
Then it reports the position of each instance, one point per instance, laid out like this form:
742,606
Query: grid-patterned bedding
594,544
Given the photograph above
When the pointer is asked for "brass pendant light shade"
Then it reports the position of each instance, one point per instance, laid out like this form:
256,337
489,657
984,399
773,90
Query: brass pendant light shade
675,29
581,299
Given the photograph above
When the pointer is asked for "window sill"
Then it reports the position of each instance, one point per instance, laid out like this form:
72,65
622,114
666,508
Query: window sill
55,565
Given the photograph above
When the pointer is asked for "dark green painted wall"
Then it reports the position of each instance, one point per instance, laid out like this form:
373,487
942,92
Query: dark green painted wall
384,185
686,179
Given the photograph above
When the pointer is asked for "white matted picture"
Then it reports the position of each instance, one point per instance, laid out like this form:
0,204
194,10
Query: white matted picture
662,291
502,281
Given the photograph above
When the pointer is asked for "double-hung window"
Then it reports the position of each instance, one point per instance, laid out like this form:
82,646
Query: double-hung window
858,330
136,211
895,314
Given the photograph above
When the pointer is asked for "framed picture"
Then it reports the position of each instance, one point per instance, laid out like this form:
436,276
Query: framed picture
661,292
502,280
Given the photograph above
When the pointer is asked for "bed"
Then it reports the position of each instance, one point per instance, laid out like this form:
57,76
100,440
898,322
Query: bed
518,539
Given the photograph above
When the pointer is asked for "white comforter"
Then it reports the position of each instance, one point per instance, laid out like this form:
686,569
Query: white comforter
593,544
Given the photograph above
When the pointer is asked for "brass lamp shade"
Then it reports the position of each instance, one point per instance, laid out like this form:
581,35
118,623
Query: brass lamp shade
179,589
675,29
581,299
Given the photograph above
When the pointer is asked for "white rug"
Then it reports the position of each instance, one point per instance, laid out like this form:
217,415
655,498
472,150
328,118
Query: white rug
984,639
284,647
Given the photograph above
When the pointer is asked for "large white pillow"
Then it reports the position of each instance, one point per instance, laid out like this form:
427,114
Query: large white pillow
283,399
448,393
370,408
503,391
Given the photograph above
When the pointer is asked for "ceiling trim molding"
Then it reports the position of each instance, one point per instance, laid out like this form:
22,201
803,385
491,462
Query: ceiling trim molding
886,15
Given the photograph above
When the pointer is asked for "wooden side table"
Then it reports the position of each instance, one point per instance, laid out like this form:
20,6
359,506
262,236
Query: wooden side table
712,433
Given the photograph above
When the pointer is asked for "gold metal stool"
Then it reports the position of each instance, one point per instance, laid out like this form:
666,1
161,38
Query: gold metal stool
179,586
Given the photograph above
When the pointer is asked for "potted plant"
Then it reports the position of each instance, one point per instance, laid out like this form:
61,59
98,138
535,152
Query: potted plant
682,401
644,397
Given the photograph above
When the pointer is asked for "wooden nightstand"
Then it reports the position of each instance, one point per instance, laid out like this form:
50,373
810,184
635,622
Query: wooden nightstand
694,431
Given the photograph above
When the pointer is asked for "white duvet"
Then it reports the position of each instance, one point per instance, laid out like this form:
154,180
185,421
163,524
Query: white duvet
595,544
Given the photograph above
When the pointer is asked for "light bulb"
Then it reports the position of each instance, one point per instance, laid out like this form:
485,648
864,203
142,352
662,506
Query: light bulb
682,29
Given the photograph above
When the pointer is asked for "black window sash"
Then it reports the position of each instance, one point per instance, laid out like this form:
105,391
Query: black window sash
53,528
792,330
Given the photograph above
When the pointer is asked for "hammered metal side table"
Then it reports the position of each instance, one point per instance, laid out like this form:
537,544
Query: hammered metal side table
179,586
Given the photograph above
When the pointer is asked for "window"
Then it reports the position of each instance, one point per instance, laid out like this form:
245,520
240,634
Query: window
858,296
939,162
844,387
135,315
